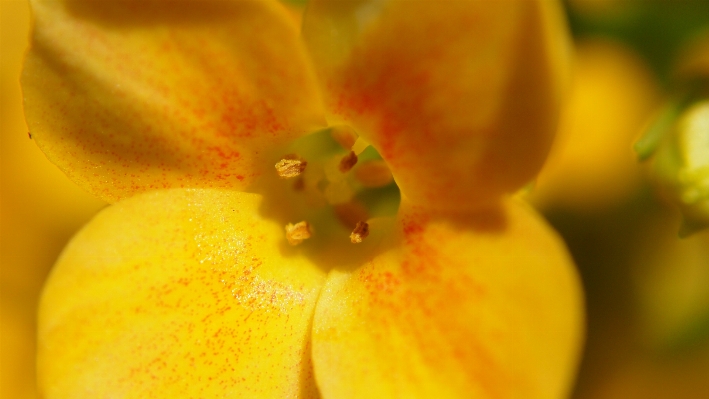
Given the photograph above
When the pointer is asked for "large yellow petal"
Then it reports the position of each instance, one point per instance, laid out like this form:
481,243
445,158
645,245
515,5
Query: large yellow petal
179,294
129,96
483,305
459,97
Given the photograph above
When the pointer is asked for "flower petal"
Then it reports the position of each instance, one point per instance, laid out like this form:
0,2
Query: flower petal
128,96
459,97
481,305
176,294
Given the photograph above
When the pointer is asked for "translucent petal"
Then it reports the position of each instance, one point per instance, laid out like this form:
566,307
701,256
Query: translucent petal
681,166
129,96
483,305
459,97
179,294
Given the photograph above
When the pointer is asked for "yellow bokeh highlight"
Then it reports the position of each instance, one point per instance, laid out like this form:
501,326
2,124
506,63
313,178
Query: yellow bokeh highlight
681,166
592,165
39,210
670,277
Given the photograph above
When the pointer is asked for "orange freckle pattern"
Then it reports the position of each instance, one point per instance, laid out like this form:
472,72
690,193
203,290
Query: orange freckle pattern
187,305
127,111
435,96
449,311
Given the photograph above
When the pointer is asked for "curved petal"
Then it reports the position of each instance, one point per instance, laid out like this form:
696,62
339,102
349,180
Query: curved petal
176,294
483,305
128,96
459,97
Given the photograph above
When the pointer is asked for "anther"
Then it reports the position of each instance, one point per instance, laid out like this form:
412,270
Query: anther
290,166
347,162
374,174
361,231
296,233
360,145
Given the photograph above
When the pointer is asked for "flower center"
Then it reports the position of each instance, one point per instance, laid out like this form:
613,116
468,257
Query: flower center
328,188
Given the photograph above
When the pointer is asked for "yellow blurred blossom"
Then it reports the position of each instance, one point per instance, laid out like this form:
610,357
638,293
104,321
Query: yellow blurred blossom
39,210
592,165
215,275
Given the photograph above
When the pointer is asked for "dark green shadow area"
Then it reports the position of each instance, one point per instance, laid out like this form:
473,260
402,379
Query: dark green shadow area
656,29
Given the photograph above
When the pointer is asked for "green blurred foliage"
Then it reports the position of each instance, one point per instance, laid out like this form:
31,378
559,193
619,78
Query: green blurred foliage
657,29
616,248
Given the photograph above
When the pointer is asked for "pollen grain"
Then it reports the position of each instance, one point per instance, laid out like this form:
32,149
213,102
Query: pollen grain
290,166
361,231
296,233
348,161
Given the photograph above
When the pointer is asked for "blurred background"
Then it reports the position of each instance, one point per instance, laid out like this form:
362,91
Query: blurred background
647,290
40,209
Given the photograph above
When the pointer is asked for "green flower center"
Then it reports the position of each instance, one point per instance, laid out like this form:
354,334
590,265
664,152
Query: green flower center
329,189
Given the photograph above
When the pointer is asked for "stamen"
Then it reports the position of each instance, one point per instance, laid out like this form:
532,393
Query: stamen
347,162
374,174
360,145
344,135
349,213
299,184
361,231
296,233
290,166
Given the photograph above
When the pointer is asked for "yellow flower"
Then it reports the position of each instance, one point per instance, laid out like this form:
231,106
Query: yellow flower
188,285
592,166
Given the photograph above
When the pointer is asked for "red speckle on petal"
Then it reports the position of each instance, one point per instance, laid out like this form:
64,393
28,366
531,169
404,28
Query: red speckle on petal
377,96
412,229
